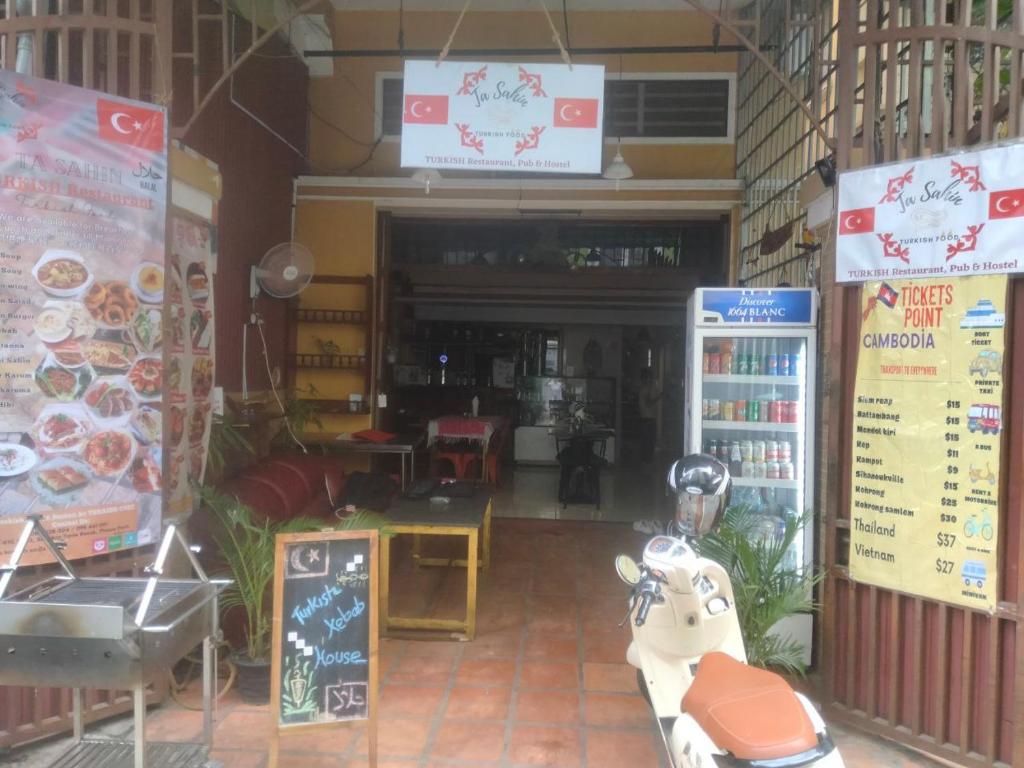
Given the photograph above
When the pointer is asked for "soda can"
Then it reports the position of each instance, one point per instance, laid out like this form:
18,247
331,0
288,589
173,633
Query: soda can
758,452
725,363
794,364
742,364
728,410
714,409
741,410
765,412
785,450
771,470
747,468
707,363
754,365
775,411
786,470
714,363
723,451
784,364
704,408
792,413
760,470
746,450
771,367
771,450
753,410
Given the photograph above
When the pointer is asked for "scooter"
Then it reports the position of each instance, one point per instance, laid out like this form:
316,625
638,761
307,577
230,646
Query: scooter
713,710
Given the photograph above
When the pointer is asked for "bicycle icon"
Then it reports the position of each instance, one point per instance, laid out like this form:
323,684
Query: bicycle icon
973,528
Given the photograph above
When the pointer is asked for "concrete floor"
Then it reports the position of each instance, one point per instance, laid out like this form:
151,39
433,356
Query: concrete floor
543,684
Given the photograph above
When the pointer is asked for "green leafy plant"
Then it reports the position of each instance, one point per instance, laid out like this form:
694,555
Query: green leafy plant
768,588
301,414
247,547
226,440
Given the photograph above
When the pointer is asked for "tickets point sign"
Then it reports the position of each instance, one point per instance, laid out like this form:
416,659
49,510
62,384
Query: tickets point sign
957,214
494,116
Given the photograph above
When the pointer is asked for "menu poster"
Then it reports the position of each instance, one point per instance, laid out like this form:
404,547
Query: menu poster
927,426
190,358
83,188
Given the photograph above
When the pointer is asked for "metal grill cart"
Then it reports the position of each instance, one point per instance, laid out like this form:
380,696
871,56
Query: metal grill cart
110,633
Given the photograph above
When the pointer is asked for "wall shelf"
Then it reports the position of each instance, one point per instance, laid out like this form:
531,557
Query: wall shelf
329,362
331,316
337,407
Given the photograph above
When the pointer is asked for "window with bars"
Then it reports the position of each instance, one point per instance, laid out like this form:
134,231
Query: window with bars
633,108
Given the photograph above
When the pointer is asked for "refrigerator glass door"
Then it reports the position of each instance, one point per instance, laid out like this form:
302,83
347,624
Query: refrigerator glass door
754,391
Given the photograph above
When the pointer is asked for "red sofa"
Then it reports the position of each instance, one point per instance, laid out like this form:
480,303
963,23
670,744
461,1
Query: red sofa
287,486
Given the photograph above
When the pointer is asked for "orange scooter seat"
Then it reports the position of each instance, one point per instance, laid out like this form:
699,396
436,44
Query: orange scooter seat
751,713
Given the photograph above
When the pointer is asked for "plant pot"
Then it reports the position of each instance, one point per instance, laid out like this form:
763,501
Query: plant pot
253,679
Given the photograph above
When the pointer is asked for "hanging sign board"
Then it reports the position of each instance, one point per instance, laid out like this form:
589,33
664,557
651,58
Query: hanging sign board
959,214
493,116
927,425
83,196
324,661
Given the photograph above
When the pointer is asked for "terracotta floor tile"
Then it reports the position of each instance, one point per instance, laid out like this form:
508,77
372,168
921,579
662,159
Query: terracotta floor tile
556,747
306,760
489,672
550,674
608,647
544,646
469,741
549,707
361,762
614,749
435,649
166,724
473,703
330,741
623,710
423,671
558,626
398,701
242,729
397,739
619,678
232,758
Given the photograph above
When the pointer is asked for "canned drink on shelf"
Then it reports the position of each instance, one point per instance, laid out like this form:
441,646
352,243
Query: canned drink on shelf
707,362
742,364
759,469
740,409
728,410
792,411
714,409
758,452
771,470
704,408
746,450
785,451
714,362
753,410
784,364
771,450
725,363
771,367
775,411
723,451
747,468
786,470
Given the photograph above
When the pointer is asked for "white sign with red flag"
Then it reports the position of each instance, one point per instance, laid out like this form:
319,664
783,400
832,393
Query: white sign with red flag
543,118
960,214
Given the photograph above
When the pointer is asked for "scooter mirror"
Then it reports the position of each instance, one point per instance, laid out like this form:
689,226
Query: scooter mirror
627,569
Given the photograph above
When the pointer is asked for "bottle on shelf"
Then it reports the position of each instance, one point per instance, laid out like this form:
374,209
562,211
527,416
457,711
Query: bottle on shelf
735,460
754,364
741,360
725,362
772,360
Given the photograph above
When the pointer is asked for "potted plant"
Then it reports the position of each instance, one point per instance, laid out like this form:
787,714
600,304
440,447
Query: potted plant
247,547
756,550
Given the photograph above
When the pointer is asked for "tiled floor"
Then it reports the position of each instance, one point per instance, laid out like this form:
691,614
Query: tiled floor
543,684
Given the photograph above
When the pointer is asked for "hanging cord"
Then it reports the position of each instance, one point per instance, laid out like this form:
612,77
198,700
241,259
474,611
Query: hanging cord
401,25
451,38
557,38
565,19
273,388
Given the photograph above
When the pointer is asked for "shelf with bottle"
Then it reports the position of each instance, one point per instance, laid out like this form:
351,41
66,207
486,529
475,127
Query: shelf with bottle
764,482
735,378
772,358
750,426
758,463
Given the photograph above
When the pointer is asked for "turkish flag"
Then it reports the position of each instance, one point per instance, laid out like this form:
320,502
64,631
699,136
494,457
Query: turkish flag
575,113
426,110
1007,204
857,221
129,124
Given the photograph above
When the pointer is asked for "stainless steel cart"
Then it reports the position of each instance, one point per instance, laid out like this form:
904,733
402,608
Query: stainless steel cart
111,633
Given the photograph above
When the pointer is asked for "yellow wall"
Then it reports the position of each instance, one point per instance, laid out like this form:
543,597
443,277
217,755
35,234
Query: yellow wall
341,235
348,98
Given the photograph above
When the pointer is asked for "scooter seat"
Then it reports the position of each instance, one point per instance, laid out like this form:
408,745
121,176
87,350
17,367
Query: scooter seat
749,712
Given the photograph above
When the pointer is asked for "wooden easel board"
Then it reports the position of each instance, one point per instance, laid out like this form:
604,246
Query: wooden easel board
325,634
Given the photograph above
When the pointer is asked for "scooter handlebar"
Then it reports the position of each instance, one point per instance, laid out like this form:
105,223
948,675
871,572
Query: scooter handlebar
646,598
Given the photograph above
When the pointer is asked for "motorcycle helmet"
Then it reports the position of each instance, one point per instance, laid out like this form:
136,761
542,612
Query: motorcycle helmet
701,485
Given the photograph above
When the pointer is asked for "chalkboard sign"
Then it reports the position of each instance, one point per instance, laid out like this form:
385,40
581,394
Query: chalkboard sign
325,628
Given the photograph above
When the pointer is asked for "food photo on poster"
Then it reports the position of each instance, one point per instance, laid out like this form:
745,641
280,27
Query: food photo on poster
82,204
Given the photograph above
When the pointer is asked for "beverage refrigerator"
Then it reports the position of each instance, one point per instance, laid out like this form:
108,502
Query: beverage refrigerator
750,400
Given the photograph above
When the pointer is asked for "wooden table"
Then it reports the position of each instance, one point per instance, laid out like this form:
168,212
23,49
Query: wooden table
468,517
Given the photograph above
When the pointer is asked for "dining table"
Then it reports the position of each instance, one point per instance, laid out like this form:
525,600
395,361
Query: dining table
478,429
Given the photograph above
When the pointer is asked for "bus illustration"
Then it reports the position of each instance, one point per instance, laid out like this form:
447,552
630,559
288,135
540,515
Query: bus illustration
984,417
974,573
983,315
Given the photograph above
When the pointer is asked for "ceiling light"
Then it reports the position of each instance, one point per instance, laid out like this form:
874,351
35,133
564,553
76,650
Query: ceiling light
426,177
618,169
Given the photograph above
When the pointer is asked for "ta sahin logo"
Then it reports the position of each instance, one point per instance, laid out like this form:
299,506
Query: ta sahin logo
886,295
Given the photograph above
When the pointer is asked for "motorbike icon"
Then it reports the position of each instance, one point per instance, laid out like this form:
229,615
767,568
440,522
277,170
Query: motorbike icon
973,528
976,474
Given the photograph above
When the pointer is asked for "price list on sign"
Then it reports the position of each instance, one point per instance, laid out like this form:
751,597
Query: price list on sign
927,426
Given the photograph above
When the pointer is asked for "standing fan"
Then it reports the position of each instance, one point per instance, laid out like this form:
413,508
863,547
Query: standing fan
283,272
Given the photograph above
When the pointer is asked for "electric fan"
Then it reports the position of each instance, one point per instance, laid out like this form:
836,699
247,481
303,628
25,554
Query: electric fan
283,272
